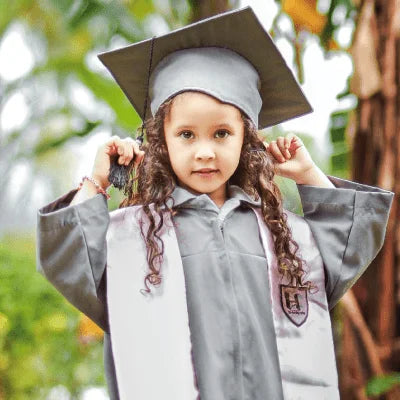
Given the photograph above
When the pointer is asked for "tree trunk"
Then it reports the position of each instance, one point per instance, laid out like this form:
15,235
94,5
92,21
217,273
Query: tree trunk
376,161
207,8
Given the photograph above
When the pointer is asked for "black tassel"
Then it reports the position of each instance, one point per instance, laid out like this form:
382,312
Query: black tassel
119,174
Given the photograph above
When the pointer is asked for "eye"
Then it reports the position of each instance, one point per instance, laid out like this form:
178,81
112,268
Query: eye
222,134
186,135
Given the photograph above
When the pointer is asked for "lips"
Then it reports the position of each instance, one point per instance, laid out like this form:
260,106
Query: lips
205,173
205,170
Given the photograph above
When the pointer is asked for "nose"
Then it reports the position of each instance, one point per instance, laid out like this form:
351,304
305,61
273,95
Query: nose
205,152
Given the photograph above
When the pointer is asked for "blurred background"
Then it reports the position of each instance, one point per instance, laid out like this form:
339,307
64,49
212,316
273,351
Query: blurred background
57,104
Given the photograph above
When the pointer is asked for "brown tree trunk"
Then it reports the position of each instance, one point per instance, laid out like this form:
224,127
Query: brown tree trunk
376,161
207,8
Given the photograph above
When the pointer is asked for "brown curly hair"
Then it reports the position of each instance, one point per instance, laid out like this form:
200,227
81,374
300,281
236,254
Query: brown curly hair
152,184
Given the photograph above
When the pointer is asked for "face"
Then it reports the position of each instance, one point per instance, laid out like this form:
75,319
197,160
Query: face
204,138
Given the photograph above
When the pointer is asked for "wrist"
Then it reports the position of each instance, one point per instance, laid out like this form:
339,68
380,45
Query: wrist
92,185
103,183
313,176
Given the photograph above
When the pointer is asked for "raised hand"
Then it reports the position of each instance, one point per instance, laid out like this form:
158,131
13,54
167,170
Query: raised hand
294,161
125,149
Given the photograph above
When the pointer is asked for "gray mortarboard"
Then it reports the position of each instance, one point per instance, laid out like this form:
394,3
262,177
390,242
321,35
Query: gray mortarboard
229,56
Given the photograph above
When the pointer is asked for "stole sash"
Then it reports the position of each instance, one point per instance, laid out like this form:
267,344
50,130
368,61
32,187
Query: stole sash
150,335
306,352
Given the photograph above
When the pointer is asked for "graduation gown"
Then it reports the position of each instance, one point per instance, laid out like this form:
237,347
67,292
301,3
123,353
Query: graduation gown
234,343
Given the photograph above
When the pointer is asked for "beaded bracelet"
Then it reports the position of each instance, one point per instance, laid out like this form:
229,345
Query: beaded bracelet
98,187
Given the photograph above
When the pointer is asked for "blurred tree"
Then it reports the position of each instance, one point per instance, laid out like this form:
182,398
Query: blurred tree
39,347
204,9
367,140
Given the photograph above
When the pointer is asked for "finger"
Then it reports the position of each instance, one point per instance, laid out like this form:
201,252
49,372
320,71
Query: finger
139,157
125,153
275,151
122,154
288,139
132,149
127,144
295,144
281,144
119,148
111,145
125,150
129,153
121,160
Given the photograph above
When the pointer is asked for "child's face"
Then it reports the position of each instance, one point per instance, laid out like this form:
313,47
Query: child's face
203,133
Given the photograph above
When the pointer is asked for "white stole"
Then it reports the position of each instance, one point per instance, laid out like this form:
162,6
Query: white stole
306,352
150,335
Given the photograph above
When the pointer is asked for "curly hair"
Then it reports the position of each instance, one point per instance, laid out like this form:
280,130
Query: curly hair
153,182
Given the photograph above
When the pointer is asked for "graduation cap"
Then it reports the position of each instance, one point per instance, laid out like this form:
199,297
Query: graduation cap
172,63
229,56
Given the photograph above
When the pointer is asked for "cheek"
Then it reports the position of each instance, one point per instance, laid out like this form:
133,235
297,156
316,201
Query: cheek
178,157
232,154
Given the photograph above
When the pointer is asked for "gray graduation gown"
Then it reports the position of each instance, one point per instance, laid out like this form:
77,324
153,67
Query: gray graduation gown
233,338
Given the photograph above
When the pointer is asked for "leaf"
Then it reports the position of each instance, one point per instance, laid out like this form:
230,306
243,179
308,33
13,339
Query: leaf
141,8
111,93
305,15
88,331
9,12
382,384
338,125
81,11
53,143
340,158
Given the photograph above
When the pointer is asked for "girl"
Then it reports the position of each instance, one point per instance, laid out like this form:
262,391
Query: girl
204,285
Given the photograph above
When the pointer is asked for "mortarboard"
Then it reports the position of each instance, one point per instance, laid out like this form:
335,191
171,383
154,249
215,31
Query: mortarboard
229,40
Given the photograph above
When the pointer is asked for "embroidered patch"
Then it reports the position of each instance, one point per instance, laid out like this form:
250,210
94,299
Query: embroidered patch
294,303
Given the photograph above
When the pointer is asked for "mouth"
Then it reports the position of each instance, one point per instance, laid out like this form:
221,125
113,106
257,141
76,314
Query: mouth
205,172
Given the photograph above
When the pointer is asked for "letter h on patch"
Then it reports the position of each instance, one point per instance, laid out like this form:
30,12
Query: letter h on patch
294,303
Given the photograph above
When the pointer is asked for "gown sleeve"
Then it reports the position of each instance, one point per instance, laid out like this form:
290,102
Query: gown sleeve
71,252
349,224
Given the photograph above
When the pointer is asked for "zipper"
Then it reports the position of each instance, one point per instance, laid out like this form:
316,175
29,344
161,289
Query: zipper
221,227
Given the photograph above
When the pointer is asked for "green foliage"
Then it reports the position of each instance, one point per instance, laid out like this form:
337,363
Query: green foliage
39,347
340,158
331,25
382,384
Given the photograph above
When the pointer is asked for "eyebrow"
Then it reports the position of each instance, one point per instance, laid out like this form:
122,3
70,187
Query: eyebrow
218,126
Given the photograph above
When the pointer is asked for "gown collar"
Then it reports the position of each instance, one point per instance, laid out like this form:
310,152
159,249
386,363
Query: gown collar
182,197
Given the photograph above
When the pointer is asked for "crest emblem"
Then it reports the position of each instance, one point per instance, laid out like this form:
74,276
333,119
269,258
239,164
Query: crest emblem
294,303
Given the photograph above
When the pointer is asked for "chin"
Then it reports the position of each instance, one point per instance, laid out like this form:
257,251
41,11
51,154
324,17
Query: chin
206,187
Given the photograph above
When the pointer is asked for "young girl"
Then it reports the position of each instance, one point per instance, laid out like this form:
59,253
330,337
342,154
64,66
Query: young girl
205,287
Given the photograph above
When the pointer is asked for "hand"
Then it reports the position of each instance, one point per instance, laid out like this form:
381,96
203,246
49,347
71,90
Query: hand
291,156
126,149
